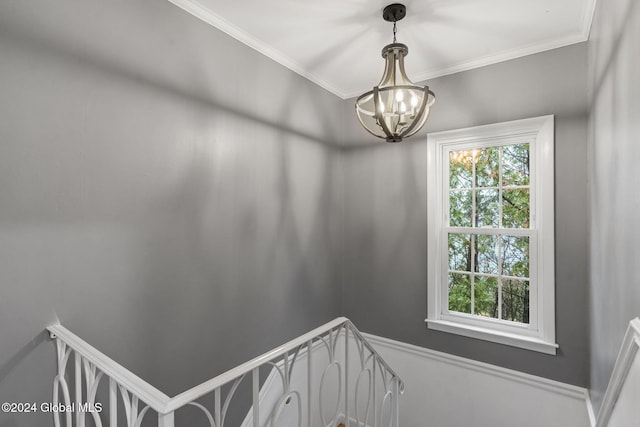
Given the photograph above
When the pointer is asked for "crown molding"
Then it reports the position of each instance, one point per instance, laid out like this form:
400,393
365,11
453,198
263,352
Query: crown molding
492,59
195,8
203,13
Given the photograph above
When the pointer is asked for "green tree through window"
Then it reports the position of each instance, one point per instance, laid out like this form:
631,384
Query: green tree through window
489,200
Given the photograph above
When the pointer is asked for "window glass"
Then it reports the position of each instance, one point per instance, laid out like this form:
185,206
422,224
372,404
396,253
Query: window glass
489,189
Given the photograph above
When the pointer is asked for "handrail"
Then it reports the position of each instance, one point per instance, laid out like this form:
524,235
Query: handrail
224,378
156,399
163,404
384,363
628,349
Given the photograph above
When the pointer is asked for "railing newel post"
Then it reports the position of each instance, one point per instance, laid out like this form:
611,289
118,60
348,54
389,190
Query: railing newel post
375,413
346,374
166,420
217,416
113,403
78,390
309,377
256,397
396,401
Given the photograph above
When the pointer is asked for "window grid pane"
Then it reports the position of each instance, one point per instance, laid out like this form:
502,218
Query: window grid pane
498,262
476,287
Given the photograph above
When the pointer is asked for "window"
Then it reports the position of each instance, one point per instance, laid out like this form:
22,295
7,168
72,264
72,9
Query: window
491,230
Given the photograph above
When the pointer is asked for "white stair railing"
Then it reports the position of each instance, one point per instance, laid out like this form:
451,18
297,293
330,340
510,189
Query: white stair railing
367,388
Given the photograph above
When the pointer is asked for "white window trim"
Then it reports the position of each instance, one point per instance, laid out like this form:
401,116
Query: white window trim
540,335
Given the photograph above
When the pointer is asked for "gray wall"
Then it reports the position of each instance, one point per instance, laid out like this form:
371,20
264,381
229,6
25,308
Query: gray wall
614,89
385,289
177,198
165,192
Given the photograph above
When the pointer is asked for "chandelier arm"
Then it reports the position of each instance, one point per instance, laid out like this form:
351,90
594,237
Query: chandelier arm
360,119
379,115
421,112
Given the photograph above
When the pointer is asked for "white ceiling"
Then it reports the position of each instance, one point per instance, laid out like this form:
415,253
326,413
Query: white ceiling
337,43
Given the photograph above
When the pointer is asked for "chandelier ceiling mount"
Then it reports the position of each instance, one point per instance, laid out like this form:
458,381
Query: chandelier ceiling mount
394,12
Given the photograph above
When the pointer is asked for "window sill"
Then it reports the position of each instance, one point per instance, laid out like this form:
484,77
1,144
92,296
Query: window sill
514,340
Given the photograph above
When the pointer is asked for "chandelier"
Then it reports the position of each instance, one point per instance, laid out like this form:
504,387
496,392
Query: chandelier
396,108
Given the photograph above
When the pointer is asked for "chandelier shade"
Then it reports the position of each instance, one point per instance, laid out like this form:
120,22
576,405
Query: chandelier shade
396,108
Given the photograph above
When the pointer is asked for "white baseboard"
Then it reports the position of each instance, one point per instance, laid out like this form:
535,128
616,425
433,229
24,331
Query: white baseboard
497,371
435,377
614,410
482,391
